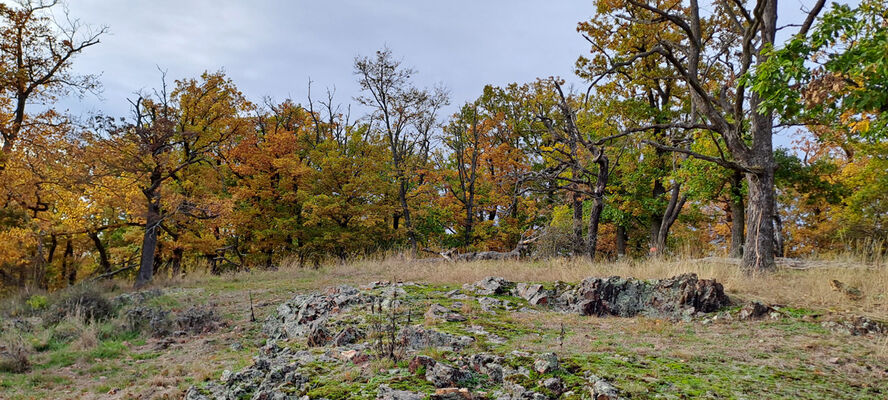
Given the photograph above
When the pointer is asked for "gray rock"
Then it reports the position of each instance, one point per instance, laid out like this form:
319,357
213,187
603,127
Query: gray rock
754,310
417,338
675,297
535,294
491,285
546,363
554,385
347,336
442,375
386,393
318,335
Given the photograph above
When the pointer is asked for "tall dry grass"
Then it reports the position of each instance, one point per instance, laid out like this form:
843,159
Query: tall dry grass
807,288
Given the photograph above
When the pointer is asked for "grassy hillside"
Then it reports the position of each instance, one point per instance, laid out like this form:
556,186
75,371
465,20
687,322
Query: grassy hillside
793,355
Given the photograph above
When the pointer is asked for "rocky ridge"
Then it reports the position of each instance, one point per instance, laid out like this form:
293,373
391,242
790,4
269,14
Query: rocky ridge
430,348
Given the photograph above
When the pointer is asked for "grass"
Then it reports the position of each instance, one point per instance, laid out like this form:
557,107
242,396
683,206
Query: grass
788,358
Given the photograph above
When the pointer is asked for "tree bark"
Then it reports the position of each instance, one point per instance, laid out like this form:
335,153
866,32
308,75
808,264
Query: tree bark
103,252
69,271
738,219
149,243
758,252
780,250
621,241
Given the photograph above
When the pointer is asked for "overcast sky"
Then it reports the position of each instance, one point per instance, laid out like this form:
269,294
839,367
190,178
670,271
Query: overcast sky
273,47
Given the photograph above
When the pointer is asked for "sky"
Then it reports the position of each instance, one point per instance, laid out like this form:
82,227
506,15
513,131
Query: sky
272,48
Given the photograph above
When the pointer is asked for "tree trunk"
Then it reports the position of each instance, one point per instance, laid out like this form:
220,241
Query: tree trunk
103,252
405,210
176,261
69,270
149,244
738,218
594,219
597,202
758,254
780,250
621,241
577,206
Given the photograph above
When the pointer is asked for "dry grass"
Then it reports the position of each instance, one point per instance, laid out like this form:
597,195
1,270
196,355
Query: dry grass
808,288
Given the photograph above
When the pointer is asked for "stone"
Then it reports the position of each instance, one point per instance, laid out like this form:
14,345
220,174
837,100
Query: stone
535,294
676,297
442,375
420,362
318,335
554,385
347,336
546,363
754,310
384,392
491,285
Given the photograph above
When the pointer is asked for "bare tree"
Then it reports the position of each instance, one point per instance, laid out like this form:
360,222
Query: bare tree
36,54
405,115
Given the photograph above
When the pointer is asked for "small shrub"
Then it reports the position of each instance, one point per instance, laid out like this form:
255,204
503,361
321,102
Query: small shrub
152,320
67,330
85,301
14,355
88,338
198,320
37,302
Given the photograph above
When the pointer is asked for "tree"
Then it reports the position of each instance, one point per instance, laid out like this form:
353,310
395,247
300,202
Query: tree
710,56
37,53
170,133
582,153
405,115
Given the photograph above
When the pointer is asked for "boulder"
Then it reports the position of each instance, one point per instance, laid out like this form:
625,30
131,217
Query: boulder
534,293
420,362
755,310
442,375
675,297
384,392
318,335
491,285
546,363
347,336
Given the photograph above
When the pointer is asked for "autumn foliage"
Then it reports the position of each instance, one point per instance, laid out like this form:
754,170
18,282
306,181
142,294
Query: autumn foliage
198,176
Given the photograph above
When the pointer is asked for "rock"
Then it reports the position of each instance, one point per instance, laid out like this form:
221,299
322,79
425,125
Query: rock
857,326
420,362
354,356
442,375
452,394
603,390
417,338
546,363
554,385
318,335
488,364
437,312
296,315
488,304
347,336
386,393
533,293
491,285
754,310
675,297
